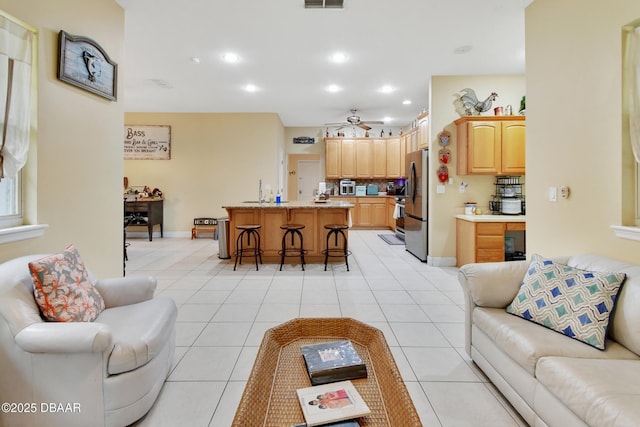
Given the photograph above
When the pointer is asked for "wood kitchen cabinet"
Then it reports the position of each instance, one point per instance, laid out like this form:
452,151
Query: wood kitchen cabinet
379,159
423,131
348,158
332,158
372,212
396,151
364,158
482,241
491,145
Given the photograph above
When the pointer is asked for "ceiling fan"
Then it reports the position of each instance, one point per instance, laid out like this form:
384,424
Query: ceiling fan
354,120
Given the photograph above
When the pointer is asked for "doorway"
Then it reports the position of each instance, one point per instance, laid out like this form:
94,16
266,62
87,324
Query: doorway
304,174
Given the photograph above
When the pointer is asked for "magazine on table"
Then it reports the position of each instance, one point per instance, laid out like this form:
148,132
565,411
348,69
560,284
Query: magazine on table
330,403
333,361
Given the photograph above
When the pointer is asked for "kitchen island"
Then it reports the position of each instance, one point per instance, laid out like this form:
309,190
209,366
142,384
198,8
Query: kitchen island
313,215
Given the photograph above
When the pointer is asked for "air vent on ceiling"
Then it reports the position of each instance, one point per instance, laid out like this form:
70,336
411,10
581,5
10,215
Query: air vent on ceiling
324,4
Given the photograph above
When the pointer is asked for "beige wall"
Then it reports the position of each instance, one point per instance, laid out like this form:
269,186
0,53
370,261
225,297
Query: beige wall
215,158
444,207
77,143
574,127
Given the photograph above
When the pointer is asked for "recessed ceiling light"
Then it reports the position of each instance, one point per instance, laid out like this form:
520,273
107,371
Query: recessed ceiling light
338,57
333,88
386,89
195,60
251,88
387,119
230,57
462,49
406,102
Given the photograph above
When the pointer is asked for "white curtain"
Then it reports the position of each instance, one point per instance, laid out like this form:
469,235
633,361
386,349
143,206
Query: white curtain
633,63
15,96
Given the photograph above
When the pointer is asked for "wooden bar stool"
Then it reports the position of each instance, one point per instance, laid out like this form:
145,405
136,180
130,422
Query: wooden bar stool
248,231
336,230
292,230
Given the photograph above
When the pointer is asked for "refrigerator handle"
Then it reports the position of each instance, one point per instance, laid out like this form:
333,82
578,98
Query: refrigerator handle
412,180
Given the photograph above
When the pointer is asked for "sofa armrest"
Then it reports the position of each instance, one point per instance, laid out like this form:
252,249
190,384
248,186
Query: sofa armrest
64,337
121,291
492,284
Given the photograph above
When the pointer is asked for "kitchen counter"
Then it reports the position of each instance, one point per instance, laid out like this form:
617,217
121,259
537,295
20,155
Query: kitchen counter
314,216
330,204
493,218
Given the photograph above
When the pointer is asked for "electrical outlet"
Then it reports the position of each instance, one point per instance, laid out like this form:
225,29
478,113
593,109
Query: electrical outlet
553,194
564,192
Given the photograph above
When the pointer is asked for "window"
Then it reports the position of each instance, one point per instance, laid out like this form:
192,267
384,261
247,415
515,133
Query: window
10,202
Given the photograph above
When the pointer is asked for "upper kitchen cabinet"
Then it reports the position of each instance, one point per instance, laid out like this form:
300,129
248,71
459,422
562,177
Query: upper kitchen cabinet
423,131
396,151
364,158
491,145
333,157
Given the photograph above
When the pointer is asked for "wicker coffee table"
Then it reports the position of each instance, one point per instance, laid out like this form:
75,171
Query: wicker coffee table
270,399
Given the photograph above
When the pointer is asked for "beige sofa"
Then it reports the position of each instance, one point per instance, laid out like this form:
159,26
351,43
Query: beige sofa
550,379
103,373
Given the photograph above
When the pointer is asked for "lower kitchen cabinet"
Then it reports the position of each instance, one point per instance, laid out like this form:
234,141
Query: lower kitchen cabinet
481,241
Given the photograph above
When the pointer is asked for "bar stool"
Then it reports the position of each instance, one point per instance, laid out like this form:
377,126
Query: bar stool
292,230
336,230
248,231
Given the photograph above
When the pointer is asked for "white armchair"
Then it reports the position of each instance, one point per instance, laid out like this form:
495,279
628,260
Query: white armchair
103,373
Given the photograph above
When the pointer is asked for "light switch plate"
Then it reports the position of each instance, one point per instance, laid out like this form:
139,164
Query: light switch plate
440,189
553,194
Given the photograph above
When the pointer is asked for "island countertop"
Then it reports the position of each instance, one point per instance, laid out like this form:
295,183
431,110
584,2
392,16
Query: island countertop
271,217
294,204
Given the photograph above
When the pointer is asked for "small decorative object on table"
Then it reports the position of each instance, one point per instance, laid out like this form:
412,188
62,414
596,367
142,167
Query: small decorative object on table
333,361
331,402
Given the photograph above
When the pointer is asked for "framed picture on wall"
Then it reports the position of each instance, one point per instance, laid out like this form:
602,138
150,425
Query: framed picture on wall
83,63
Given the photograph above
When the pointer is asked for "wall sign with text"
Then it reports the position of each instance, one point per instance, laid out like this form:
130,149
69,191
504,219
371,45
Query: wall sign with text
147,142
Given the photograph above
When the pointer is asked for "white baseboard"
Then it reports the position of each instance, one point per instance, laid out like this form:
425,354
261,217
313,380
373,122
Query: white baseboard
441,261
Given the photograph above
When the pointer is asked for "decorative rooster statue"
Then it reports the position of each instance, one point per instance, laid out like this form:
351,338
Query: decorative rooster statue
467,104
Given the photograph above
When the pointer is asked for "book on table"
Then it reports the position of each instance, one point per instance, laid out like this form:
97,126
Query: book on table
329,403
333,361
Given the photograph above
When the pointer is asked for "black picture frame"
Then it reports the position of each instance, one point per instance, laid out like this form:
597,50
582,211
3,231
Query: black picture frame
83,63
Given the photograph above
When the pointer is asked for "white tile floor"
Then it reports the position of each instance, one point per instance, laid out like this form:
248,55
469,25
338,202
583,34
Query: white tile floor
223,314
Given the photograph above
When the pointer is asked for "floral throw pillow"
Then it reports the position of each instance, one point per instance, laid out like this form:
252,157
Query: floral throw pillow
576,303
63,290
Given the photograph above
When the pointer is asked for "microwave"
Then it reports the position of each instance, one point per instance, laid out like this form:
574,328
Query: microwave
347,187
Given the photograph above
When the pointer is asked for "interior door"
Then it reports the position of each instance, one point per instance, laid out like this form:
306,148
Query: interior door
308,178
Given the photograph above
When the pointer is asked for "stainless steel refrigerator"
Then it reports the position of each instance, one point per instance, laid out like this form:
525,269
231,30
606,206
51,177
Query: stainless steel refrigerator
417,204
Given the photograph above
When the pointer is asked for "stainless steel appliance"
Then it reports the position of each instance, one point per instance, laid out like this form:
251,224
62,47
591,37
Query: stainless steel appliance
347,187
416,204
399,216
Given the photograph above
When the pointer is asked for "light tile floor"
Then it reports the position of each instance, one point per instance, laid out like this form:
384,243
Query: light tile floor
223,314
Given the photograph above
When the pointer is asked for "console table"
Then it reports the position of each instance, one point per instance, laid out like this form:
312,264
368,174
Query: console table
146,213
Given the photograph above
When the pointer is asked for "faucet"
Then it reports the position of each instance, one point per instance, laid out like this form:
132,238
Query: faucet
260,198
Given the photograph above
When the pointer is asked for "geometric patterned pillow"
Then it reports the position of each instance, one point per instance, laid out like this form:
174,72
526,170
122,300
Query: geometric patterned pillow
63,290
573,302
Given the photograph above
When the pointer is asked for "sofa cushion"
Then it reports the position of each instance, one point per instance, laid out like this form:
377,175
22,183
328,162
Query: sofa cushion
600,392
626,317
526,342
62,288
139,332
568,300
